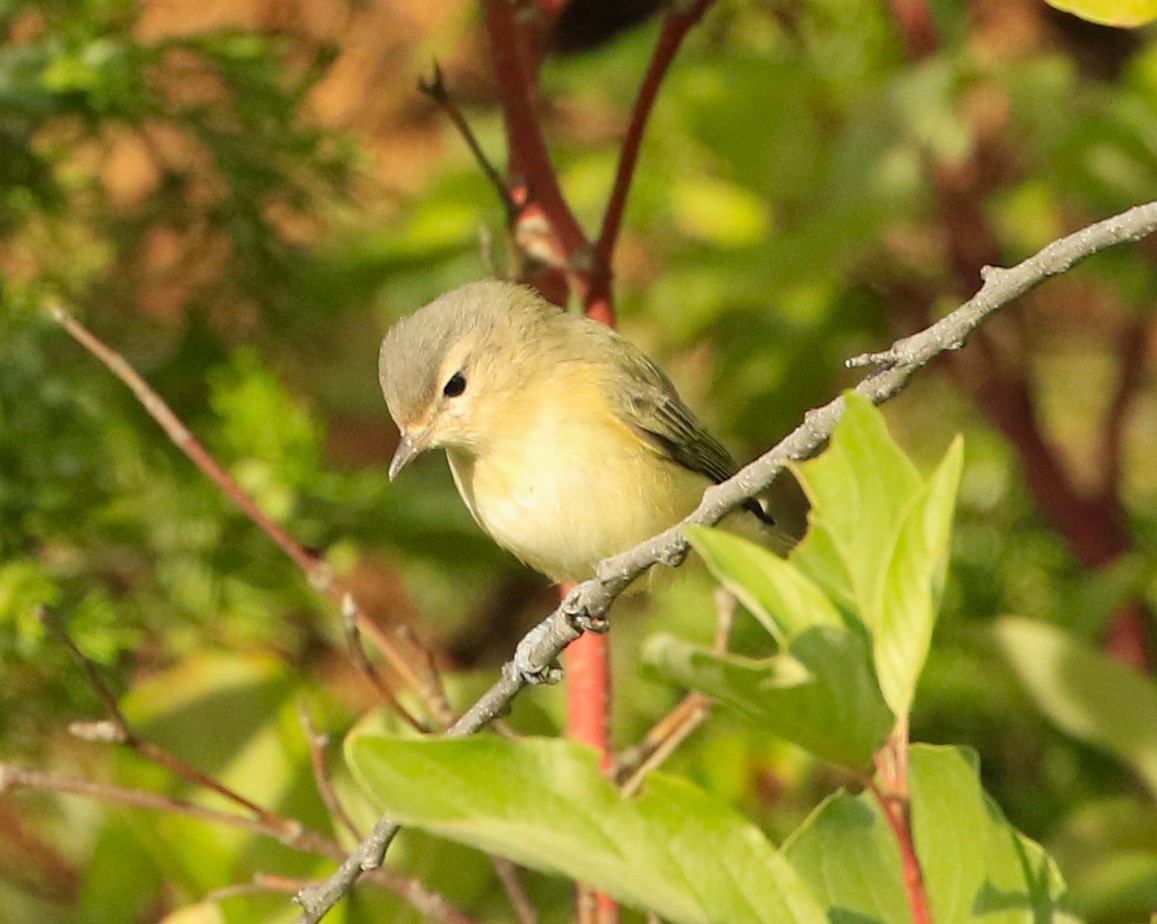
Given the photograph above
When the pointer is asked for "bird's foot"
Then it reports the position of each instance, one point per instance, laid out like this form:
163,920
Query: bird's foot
582,619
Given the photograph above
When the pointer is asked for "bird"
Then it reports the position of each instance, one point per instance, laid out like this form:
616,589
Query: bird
565,441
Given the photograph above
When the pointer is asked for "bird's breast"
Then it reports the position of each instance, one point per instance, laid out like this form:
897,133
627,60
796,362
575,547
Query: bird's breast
573,489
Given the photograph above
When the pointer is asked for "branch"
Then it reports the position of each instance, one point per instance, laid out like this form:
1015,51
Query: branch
512,884
298,837
361,660
593,598
315,570
435,89
892,795
530,163
117,730
675,27
318,742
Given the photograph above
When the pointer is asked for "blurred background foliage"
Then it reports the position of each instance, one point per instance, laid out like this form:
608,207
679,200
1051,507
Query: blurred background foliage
241,197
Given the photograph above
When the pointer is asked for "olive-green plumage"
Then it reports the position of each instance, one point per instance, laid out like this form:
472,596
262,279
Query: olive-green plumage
566,442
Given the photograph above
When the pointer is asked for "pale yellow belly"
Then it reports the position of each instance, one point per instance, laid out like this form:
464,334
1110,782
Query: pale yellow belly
562,509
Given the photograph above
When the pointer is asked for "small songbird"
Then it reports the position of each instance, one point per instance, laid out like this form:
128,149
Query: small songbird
565,441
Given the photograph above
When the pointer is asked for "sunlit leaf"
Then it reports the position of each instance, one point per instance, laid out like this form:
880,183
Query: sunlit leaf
1110,12
902,629
777,593
878,540
859,488
544,804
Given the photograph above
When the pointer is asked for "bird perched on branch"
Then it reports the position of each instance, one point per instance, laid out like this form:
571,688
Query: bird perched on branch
565,441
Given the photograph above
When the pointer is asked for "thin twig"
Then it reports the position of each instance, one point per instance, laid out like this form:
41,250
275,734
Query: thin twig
261,883
295,836
416,893
318,742
664,738
594,597
104,694
661,741
435,88
515,890
118,731
430,684
675,28
315,570
366,667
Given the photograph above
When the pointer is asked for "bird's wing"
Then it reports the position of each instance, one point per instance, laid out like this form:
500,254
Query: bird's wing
646,401
653,409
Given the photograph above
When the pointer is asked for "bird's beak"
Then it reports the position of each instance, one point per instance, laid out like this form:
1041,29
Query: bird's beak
409,448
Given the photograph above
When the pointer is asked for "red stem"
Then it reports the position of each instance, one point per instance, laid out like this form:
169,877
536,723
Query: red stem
675,28
892,794
588,721
896,811
588,678
515,45
516,41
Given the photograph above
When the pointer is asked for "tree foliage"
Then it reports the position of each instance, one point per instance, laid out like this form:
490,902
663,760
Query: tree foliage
240,206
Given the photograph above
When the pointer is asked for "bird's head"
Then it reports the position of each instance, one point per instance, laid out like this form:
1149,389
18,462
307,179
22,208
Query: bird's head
453,371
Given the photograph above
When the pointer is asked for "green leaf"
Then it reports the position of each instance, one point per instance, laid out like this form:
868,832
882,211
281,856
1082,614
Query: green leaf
902,629
859,489
1110,12
976,866
1089,695
544,804
846,853
878,540
872,563
775,592
821,695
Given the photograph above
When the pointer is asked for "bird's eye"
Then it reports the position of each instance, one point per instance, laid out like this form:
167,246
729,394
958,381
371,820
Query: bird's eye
455,385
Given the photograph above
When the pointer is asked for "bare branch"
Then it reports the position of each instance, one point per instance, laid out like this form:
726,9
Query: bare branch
297,837
357,653
515,890
430,684
116,730
318,741
431,904
435,89
678,23
592,599
315,570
